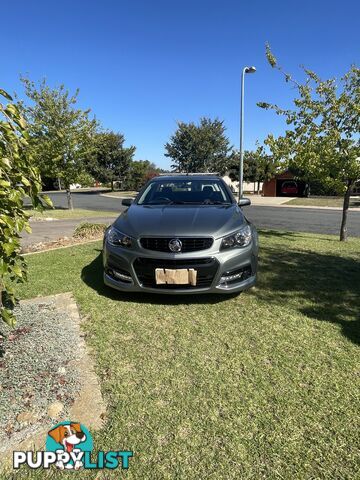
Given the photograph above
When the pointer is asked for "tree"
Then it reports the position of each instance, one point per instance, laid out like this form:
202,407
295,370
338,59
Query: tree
111,160
199,148
140,172
251,169
323,139
18,178
61,135
258,166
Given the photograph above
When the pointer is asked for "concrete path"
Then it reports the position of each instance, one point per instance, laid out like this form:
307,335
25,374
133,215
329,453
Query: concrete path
268,201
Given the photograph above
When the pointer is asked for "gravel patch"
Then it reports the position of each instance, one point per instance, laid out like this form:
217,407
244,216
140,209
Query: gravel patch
39,378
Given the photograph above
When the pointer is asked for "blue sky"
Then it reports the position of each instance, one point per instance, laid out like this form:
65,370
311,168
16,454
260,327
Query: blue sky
142,65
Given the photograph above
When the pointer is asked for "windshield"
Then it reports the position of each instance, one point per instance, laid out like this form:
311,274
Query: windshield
190,192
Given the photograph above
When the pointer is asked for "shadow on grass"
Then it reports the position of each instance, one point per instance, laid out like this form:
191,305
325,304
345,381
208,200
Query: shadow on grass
277,233
92,275
282,234
291,236
324,287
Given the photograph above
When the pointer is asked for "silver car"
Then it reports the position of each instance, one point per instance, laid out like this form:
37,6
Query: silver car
182,234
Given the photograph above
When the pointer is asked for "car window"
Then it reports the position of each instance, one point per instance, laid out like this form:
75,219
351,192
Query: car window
177,192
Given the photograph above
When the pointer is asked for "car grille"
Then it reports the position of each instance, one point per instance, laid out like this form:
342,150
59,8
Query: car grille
193,244
206,270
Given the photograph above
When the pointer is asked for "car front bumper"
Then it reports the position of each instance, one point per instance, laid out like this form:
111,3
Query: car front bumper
228,271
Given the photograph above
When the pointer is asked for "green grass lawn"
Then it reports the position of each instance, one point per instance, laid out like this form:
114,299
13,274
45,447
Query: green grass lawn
62,213
324,202
265,385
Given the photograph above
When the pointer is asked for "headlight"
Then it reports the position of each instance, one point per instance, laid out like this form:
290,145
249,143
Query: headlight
241,238
118,239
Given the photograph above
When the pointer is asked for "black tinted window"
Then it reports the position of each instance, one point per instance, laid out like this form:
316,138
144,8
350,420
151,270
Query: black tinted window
187,191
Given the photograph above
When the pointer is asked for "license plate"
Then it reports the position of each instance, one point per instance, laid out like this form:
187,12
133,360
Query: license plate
178,276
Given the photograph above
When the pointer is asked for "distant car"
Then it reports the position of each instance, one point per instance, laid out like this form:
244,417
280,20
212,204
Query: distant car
182,234
289,188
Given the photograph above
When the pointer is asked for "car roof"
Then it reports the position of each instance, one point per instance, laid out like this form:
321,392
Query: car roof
189,177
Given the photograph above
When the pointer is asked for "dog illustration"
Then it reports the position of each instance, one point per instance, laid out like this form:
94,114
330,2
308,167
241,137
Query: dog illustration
68,436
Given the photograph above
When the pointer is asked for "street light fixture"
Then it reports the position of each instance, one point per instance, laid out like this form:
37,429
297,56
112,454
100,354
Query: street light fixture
241,165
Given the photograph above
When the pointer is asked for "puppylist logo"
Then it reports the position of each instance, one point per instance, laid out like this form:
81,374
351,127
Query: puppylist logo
69,446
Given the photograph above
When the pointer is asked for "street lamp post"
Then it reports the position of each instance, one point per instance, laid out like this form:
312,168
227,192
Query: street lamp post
241,165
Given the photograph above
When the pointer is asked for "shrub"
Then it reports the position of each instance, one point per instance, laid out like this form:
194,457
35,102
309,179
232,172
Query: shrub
18,178
85,180
89,230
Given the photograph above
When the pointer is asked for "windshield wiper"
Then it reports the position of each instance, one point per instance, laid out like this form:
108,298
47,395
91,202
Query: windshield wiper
171,202
215,202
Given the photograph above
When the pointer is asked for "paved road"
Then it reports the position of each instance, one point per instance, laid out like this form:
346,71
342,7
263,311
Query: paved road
45,231
279,218
302,219
89,200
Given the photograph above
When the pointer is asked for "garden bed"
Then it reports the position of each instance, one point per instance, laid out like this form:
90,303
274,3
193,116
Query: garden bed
42,373
83,233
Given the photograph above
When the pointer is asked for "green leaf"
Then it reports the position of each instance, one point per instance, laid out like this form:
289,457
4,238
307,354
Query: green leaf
8,248
11,109
22,122
3,267
25,181
8,317
17,270
269,55
10,221
263,105
5,162
47,200
6,95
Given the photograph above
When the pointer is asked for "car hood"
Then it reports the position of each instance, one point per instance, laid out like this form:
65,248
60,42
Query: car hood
176,220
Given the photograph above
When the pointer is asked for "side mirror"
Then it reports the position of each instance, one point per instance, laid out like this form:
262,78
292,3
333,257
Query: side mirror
243,202
127,202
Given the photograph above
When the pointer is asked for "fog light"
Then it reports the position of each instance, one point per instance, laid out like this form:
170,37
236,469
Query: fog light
235,276
230,278
120,275
123,277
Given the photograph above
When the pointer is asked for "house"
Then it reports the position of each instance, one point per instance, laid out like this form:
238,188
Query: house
285,185
248,187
